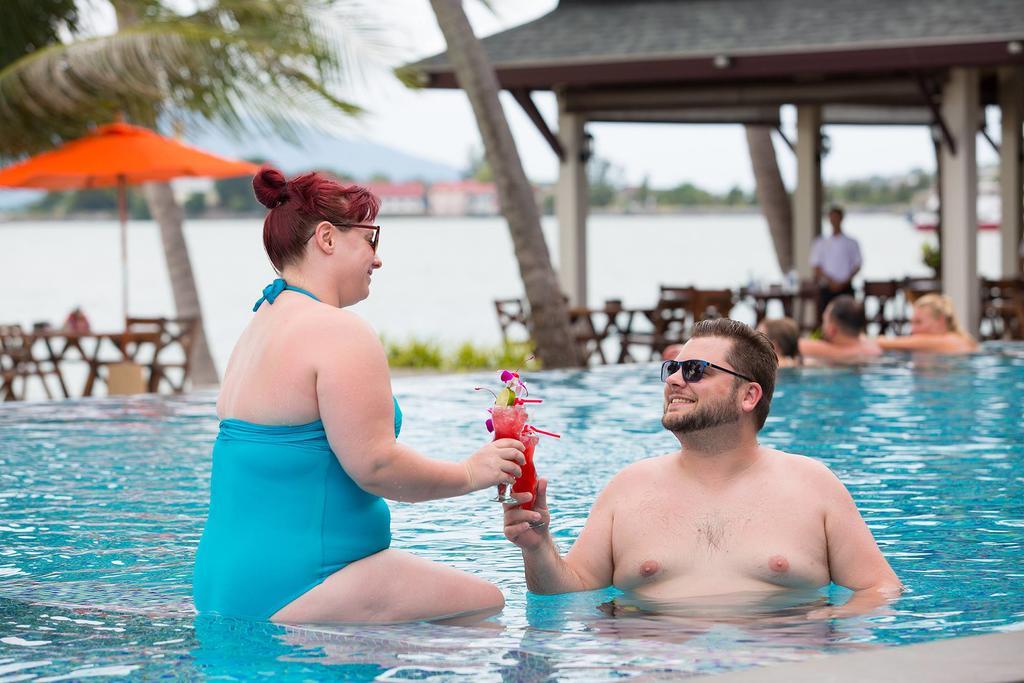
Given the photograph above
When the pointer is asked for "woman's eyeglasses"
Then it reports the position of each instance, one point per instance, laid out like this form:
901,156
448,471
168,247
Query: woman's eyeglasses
693,370
374,240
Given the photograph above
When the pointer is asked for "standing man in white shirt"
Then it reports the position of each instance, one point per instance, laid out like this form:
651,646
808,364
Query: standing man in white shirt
836,260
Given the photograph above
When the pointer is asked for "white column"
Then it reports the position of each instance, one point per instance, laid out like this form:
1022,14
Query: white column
960,111
807,198
1011,105
571,207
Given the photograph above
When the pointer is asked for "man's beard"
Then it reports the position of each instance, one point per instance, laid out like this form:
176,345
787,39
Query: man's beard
716,414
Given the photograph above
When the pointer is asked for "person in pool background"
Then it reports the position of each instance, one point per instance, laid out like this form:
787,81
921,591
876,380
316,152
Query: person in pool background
843,328
934,327
784,334
297,530
721,515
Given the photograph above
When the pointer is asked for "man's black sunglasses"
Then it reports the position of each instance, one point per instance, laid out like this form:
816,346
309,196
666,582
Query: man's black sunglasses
693,370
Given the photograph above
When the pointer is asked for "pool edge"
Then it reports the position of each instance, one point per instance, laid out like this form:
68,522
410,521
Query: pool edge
992,658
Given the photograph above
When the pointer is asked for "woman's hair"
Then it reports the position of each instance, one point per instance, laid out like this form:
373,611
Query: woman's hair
784,333
298,205
941,306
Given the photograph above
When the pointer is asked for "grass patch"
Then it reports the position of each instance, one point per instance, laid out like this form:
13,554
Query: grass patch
430,354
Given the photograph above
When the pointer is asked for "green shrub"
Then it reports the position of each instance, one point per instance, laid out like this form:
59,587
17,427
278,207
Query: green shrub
931,256
512,355
429,354
415,353
470,357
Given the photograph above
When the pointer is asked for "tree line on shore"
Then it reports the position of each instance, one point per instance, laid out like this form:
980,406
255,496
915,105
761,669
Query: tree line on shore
233,196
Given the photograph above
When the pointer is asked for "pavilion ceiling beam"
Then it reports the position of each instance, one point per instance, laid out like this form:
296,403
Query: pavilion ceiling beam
866,115
526,102
881,92
937,119
767,116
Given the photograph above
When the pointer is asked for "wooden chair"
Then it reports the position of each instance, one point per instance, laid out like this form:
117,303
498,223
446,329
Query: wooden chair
914,287
712,303
7,375
588,339
17,362
171,363
888,313
512,317
670,320
1002,308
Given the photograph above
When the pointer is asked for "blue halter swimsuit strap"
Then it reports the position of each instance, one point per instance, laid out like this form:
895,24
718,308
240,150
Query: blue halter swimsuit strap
284,515
274,289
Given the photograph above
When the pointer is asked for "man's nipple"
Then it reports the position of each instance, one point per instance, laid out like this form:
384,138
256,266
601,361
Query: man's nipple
778,564
649,568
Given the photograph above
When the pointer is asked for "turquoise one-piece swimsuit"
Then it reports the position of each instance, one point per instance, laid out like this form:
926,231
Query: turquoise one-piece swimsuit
284,515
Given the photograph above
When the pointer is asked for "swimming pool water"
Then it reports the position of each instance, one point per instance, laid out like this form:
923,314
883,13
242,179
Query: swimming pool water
102,503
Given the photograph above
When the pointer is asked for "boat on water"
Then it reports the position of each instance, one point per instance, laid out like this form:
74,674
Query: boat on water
990,214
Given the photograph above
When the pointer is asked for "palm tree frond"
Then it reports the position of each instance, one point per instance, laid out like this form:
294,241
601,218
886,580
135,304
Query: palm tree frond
229,63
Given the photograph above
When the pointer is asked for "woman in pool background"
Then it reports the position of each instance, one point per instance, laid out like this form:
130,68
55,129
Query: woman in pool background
934,327
784,334
297,530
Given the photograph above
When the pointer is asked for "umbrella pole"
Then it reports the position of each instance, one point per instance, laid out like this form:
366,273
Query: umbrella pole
122,210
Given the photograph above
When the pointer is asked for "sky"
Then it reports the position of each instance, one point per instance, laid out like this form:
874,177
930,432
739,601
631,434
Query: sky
439,124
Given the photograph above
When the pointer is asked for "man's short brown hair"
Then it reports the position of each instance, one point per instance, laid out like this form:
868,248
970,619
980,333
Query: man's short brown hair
752,354
847,314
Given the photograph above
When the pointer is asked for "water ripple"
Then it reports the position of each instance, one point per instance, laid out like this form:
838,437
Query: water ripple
102,503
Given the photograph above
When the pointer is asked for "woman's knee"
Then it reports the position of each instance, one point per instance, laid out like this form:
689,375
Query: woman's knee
485,595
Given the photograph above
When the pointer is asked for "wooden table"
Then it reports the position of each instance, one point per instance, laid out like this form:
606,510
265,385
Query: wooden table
794,303
97,349
593,326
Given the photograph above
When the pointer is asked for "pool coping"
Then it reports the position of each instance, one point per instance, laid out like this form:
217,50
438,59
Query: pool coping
993,658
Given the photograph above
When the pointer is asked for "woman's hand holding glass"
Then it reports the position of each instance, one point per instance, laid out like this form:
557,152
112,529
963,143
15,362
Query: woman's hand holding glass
498,462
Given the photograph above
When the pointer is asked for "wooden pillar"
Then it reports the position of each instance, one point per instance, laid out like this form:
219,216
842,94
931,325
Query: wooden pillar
807,198
959,224
1011,105
571,207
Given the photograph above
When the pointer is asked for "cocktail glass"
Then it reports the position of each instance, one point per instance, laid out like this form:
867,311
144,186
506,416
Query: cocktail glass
527,483
508,424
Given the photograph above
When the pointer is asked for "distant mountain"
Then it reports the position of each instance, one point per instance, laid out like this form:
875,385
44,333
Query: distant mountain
359,159
15,199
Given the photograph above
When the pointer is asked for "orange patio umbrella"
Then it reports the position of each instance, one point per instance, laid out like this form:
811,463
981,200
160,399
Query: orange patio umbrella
118,155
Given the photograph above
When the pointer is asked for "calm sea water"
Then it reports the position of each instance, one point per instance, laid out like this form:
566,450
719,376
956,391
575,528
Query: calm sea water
432,268
102,503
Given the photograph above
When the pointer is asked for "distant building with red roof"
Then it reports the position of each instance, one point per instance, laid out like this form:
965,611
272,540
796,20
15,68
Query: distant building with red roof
400,199
463,198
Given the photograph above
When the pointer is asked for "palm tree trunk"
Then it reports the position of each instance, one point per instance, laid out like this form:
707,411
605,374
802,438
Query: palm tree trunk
548,311
170,217
771,193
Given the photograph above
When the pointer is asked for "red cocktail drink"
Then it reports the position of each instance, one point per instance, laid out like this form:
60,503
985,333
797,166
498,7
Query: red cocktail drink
508,424
508,421
527,483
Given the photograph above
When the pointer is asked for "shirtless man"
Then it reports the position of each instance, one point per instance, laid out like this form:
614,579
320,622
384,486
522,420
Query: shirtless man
934,327
721,515
843,330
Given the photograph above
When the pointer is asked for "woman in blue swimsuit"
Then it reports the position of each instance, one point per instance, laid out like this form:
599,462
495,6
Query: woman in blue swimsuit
298,531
